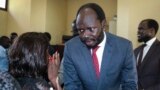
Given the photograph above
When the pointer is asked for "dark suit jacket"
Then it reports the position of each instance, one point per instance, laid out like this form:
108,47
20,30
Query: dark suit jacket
118,68
149,71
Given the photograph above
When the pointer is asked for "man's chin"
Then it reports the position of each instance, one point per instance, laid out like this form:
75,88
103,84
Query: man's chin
140,40
90,45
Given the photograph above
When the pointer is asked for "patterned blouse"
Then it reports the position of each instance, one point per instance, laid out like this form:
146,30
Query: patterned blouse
7,82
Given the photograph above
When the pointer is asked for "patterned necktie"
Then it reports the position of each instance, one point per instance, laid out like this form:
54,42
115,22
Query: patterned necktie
141,55
95,60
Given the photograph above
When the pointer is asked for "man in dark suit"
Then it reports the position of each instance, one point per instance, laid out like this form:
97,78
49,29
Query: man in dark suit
148,66
115,68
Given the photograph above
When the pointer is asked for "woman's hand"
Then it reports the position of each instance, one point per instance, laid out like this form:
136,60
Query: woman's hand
53,67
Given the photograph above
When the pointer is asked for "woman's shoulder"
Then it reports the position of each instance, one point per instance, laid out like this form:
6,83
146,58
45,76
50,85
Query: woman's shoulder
8,82
29,83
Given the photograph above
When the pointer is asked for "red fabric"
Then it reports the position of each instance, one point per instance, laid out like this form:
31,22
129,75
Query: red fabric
95,61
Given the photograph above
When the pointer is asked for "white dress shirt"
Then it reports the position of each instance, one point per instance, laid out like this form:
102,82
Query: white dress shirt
100,50
147,47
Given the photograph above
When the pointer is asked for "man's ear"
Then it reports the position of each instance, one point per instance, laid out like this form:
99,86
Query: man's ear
153,32
104,24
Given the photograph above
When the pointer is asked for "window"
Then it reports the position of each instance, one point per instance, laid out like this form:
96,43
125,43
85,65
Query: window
3,4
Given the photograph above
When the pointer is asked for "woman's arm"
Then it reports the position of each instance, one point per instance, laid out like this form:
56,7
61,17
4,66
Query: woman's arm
53,67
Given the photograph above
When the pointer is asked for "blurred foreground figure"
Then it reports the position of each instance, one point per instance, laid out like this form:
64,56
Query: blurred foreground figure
30,60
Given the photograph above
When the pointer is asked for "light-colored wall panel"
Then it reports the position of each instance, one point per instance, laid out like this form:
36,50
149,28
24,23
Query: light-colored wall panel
38,15
56,16
18,16
3,22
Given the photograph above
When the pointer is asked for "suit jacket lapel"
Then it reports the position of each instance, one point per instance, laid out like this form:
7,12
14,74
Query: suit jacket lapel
136,52
105,60
89,63
149,54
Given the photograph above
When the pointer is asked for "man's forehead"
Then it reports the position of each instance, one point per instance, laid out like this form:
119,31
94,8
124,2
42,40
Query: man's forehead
144,24
87,15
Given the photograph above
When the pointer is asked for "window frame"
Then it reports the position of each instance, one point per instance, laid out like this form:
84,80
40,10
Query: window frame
6,6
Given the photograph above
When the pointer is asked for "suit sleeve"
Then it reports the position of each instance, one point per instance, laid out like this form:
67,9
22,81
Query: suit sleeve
71,79
129,72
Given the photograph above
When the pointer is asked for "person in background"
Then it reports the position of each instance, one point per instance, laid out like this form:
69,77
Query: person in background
30,61
112,67
4,45
147,55
13,35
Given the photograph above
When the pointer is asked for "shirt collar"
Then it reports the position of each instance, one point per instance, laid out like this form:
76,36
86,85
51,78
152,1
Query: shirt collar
150,42
102,44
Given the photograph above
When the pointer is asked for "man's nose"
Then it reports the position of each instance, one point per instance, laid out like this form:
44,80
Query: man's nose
86,32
